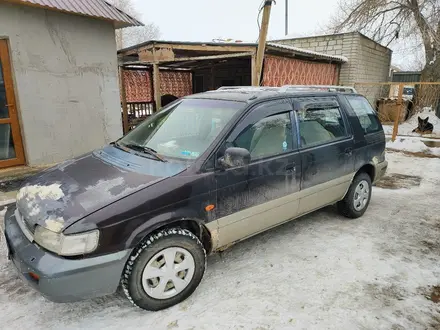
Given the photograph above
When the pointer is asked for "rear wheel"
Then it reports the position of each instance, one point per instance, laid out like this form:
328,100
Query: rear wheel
357,199
165,270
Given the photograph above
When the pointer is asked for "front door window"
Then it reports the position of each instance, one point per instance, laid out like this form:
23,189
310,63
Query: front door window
270,136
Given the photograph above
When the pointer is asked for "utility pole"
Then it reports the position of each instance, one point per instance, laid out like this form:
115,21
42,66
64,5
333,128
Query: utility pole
258,67
287,17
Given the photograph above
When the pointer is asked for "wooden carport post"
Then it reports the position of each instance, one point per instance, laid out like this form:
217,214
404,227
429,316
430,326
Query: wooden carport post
156,82
399,111
123,100
156,86
258,67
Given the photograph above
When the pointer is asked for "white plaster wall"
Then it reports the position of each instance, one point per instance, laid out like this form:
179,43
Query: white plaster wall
66,81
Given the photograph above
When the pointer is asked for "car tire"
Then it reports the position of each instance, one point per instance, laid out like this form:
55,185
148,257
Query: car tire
358,197
175,281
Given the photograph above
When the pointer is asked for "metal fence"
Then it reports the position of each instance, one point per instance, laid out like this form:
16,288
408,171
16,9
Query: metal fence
418,95
138,112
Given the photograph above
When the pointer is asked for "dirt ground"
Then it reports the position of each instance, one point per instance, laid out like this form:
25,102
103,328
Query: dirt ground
322,271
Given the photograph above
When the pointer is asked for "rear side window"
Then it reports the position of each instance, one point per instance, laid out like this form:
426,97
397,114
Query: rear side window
365,113
320,125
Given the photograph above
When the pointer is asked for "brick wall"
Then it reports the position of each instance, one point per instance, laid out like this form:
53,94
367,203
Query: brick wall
374,66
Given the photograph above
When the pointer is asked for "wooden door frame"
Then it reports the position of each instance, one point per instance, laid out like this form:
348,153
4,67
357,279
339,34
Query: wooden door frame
13,119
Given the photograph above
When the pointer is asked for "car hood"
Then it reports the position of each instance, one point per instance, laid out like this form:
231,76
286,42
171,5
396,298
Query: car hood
58,197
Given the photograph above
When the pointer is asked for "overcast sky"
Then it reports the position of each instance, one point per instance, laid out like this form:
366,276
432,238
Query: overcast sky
204,20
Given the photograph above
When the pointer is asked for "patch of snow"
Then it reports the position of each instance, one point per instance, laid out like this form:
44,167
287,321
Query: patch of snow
7,202
34,209
52,192
412,145
407,127
307,51
55,224
32,196
101,192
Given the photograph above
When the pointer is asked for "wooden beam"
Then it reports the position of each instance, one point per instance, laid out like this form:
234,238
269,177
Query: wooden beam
212,77
156,86
156,54
210,57
200,47
262,39
150,73
210,48
124,100
136,51
194,59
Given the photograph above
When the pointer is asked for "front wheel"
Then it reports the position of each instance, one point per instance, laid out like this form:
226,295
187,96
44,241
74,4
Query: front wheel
358,197
165,270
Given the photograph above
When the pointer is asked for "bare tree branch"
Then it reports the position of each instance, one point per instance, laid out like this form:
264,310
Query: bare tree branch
133,35
383,19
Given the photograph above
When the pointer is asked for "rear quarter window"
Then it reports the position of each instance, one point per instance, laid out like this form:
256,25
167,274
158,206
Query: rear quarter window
365,113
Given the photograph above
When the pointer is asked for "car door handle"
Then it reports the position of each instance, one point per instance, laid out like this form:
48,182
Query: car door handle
349,151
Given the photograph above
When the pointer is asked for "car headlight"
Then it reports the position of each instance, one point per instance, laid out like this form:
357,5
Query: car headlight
67,245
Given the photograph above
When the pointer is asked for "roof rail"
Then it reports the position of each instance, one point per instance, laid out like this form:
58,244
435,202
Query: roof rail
247,88
328,88
287,88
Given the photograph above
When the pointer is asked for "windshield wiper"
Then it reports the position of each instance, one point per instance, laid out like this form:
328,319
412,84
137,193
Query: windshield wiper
146,150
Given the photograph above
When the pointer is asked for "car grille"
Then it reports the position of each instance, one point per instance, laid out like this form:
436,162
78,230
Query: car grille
27,230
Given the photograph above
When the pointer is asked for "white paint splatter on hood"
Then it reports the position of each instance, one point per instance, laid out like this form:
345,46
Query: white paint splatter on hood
31,196
51,192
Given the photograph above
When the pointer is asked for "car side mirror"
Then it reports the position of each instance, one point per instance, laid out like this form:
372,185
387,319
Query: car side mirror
234,157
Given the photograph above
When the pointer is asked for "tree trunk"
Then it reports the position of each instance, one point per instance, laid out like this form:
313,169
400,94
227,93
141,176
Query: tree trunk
430,38
431,71
428,95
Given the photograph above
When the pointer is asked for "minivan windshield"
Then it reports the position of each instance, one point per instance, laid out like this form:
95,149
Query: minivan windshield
184,130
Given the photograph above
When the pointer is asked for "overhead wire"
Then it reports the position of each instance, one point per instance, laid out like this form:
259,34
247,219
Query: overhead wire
260,9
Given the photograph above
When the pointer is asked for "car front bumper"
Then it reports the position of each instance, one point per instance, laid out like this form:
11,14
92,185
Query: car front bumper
57,278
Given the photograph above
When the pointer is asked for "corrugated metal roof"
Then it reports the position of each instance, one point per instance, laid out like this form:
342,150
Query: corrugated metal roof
93,8
308,52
